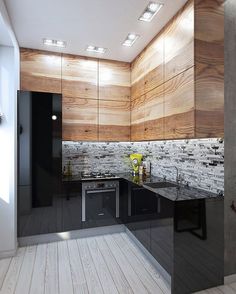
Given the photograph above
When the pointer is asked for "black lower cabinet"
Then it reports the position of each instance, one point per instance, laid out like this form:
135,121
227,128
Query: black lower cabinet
62,215
141,207
162,234
185,237
198,245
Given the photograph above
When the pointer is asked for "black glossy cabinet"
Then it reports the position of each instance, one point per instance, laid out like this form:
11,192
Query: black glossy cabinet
185,237
46,204
141,207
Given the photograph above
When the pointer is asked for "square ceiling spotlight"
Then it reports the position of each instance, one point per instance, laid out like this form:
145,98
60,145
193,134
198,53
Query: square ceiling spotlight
55,43
130,40
96,49
150,11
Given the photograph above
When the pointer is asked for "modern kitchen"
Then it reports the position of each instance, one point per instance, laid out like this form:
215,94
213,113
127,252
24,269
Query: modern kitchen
116,147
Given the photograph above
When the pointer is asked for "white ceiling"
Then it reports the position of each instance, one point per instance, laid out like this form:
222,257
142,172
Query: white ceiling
104,23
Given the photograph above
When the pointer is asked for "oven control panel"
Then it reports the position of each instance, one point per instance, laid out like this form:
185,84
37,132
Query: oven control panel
100,185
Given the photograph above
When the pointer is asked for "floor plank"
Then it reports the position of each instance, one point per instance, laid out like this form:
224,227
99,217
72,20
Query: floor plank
4,266
226,289
12,275
105,277
25,276
127,269
138,267
77,272
233,286
118,276
38,277
148,266
64,269
93,282
51,277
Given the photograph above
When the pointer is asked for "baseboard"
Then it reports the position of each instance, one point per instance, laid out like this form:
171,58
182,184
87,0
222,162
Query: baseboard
76,234
230,279
151,259
6,254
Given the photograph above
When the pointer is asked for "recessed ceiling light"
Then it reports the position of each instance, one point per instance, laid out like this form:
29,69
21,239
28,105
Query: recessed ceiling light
56,43
130,40
150,11
96,49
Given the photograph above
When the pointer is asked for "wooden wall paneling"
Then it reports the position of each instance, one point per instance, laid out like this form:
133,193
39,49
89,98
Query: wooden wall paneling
179,42
79,76
154,114
114,120
179,106
80,119
209,55
40,71
114,80
148,68
154,63
138,76
138,119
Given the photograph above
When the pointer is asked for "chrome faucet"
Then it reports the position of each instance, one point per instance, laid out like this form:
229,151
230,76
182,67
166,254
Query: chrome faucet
177,172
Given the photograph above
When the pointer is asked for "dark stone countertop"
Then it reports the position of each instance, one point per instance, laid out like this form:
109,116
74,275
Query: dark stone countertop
180,193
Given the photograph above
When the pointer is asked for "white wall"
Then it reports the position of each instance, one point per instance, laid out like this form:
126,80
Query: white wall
9,83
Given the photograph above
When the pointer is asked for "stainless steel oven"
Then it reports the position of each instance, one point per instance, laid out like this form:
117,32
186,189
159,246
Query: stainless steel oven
100,200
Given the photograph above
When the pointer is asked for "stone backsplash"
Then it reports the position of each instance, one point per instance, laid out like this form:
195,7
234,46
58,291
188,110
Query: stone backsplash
200,161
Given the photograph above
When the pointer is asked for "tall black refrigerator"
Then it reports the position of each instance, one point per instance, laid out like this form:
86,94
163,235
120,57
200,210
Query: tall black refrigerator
39,156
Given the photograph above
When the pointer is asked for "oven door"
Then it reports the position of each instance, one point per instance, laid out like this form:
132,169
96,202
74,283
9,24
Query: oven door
101,204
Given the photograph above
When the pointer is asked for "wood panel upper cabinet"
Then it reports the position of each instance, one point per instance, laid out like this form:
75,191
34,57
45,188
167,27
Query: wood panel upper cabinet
138,76
80,119
154,63
79,77
179,42
154,114
209,58
148,68
40,71
114,120
138,119
114,80
179,106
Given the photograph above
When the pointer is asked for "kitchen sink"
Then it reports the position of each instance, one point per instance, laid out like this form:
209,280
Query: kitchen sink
161,185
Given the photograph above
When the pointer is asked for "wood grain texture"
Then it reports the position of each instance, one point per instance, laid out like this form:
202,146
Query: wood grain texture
13,272
179,42
109,263
79,119
79,76
38,277
40,71
179,106
148,68
116,272
209,55
25,276
154,63
138,119
114,80
154,114
4,266
77,272
64,269
114,120
125,266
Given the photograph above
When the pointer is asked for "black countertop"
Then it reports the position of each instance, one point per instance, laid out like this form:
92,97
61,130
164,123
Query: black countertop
180,193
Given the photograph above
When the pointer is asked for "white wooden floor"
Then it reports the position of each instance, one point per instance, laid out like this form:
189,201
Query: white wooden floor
105,264
226,289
